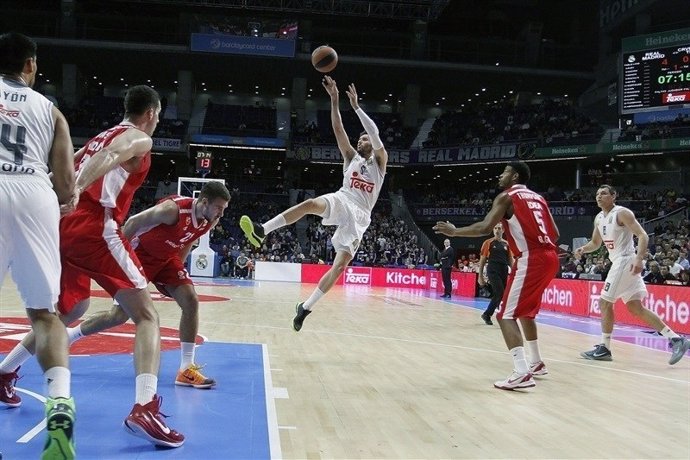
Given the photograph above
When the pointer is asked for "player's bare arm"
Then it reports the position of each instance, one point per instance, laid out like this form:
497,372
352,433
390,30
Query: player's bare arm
501,206
130,144
336,120
627,218
165,213
592,245
61,164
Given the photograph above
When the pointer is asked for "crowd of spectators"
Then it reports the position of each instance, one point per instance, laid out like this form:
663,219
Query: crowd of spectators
549,122
666,261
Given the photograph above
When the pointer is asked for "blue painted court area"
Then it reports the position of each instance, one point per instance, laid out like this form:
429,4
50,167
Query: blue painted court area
227,422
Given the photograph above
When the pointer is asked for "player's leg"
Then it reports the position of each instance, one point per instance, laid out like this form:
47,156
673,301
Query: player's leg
100,321
256,232
145,419
189,373
340,263
679,345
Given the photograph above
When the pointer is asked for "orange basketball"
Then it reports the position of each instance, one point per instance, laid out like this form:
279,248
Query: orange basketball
324,59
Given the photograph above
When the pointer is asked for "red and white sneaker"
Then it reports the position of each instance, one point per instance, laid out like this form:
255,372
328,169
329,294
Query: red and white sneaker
8,396
516,381
148,422
538,369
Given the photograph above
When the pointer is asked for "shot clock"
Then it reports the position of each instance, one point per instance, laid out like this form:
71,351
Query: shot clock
655,78
204,160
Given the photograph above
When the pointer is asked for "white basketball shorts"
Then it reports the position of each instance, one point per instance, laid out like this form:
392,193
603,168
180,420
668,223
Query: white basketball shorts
29,239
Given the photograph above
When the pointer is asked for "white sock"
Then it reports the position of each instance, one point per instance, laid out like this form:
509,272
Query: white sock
146,388
186,355
668,333
58,381
74,333
519,362
533,351
18,356
274,224
606,340
313,298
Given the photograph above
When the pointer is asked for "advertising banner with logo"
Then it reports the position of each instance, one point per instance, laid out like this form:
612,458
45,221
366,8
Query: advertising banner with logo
238,44
576,297
164,143
463,283
219,139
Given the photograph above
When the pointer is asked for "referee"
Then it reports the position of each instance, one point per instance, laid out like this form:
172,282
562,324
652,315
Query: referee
494,251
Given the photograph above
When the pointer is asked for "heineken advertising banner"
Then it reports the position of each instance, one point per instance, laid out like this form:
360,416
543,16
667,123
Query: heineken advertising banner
655,145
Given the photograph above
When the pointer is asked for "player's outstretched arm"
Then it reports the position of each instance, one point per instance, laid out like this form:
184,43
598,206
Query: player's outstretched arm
501,205
592,245
344,146
370,127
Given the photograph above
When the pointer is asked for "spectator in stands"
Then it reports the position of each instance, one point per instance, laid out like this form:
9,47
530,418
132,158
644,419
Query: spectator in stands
666,274
654,276
673,267
685,277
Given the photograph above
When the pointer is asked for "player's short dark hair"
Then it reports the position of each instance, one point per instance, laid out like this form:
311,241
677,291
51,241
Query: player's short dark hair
522,169
212,190
15,49
610,188
139,99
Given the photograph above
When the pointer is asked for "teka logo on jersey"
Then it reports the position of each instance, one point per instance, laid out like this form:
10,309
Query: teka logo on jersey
670,98
411,279
358,275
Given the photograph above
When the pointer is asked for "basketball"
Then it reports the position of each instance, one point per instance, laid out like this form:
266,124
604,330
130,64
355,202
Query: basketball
324,59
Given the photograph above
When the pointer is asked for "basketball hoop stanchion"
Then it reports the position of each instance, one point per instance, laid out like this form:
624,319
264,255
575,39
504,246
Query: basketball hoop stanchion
202,260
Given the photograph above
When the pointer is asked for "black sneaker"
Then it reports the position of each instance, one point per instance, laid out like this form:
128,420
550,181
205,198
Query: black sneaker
600,353
487,319
254,232
299,318
679,346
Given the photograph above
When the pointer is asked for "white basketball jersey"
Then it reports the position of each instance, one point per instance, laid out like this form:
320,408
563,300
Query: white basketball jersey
617,238
27,129
362,181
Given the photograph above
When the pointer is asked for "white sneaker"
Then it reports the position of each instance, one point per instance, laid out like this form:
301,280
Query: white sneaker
515,381
538,368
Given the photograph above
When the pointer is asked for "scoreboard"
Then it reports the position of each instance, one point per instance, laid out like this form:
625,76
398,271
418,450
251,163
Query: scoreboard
204,160
654,79
654,72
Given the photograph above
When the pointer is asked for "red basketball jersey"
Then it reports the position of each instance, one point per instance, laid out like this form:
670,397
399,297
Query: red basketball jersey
116,188
164,241
531,227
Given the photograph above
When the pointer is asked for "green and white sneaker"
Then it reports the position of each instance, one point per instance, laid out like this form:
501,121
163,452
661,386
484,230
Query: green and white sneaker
60,417
253,232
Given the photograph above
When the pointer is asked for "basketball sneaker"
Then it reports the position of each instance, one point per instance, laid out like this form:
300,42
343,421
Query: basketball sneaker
8,396
148,422
60,416
254,232
679,346
487,319
516,381
299,318
538,368
600,353
192,377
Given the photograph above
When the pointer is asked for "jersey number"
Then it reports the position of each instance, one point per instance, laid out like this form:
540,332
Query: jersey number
19,146
540,221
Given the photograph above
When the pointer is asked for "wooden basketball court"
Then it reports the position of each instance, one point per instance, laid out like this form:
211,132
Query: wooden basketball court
395,373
